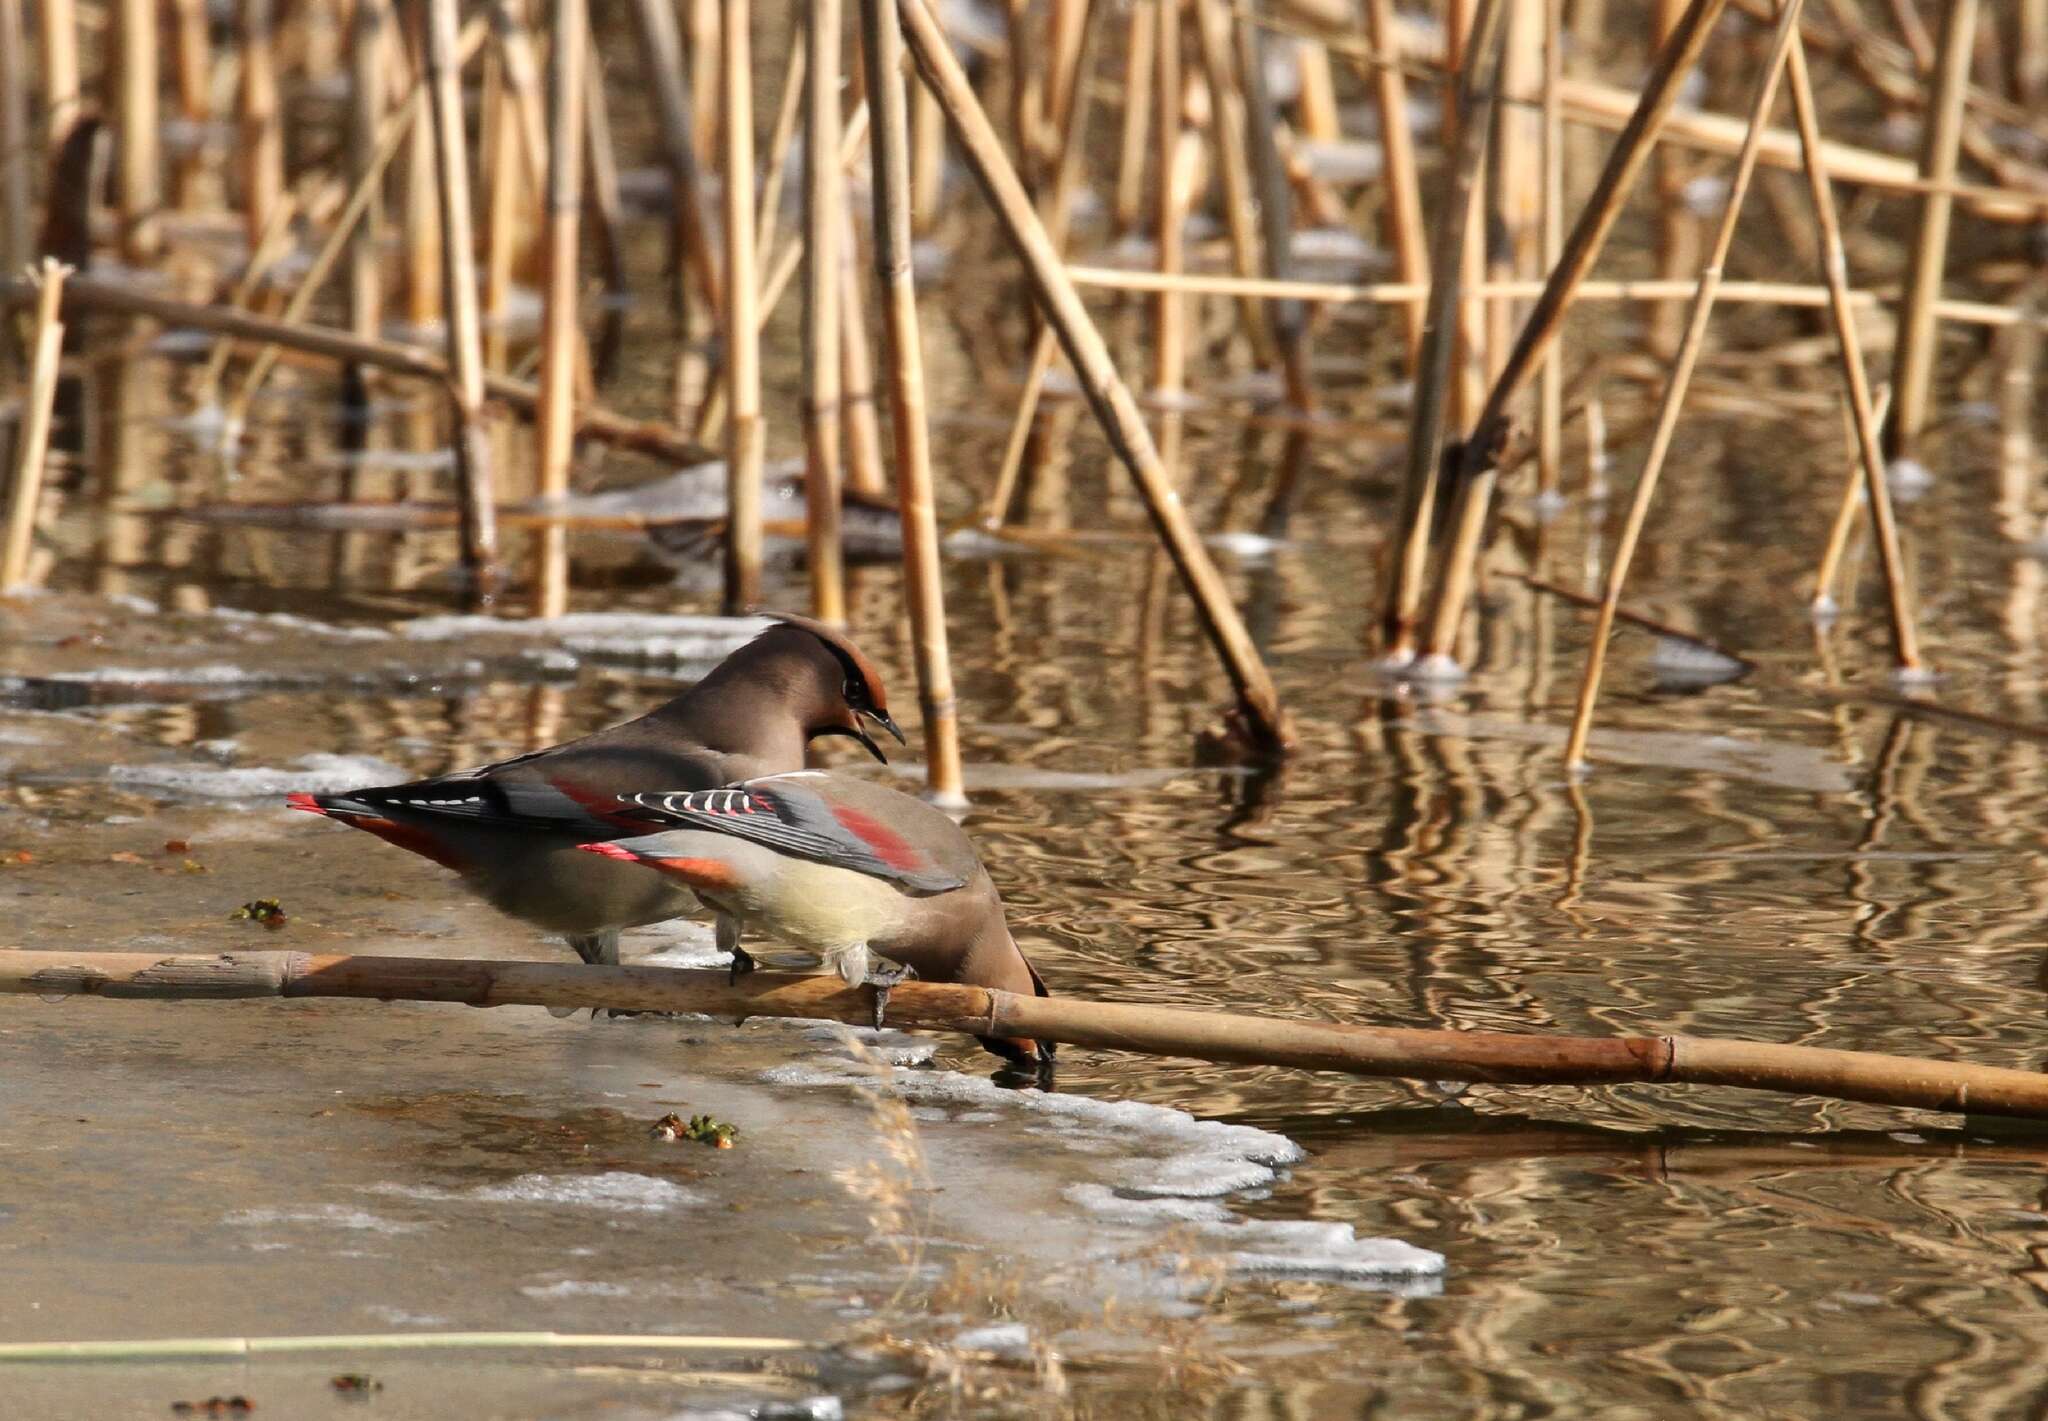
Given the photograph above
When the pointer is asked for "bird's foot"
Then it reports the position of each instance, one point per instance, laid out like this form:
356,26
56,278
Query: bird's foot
883,980
742,964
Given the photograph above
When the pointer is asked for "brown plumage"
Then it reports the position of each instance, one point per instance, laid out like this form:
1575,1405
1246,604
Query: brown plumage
845,868
511,829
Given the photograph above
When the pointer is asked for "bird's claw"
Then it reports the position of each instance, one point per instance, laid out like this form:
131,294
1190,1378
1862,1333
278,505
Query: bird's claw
882,980
742,964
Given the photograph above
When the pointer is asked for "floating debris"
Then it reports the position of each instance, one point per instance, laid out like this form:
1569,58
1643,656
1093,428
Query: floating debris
356,1384
704,1129
215,1406
267,911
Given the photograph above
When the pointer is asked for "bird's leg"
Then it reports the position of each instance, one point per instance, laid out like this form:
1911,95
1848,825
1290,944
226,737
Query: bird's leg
729,941
599,949
883,979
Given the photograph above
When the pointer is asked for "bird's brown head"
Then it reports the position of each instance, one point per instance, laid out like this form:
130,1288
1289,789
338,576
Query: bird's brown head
797,668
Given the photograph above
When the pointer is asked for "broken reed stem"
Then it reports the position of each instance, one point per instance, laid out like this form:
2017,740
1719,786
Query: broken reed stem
780,138
370,27
1265,724
665,71
1918,335
1403,597
137,120
1477,469
1235,1037
261,144
662,441
903,353
1402,198
1550,374
823,198
997,507
742,331
1654,625
459,288
1690,342
1824,601
32,434
1849,349
560,333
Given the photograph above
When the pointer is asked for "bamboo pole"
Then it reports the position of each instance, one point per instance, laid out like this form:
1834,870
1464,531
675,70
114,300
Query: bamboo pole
262,132
458,280
1402,602
371,27
1403,1053
1919,336
561,337
137,120
1403,190
1824,604
824,201
888,138
742,331
57,57
32,435
1849,349
1476,464
1690,341
667,73
1264,723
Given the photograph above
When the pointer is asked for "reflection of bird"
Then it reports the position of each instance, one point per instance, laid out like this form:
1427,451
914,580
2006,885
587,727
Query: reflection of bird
511,829
845,868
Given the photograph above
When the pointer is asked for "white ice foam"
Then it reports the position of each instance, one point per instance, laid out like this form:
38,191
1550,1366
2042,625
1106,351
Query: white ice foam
286,621
334,1216
1679,659
642,636
1004,1339
314,773
616,1190
571,1288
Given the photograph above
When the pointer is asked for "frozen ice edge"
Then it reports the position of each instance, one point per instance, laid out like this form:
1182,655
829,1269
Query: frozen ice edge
1175,1173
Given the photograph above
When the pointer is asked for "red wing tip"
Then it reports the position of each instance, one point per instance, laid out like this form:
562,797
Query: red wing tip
610,851
300,799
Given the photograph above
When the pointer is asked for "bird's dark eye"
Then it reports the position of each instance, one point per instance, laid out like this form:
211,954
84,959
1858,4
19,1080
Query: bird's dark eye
855,693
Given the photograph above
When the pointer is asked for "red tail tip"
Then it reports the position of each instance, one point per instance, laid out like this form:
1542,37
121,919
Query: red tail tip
610,851
299,799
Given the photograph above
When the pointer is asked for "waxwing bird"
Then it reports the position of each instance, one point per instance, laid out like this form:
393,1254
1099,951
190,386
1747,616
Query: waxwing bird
845,868
511,829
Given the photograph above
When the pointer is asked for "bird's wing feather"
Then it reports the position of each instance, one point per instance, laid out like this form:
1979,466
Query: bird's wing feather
785,816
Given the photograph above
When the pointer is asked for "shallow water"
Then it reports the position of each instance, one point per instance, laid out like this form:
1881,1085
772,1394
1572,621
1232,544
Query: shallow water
1786,857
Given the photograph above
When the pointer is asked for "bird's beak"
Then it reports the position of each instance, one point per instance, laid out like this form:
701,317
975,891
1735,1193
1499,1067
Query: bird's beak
853,732
881,718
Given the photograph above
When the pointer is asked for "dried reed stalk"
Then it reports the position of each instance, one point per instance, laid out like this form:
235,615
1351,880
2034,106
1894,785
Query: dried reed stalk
137,120
1550,374
1476,464
1677,233
506,201
1918,338
1690,341
1264,722
560,334
1398,174
1169,211
666,72
742,331
865,469
1824,603
1233,165
823,203
371,27
1471,365
1140,38
192,75
1288,319
780,140
601,188
16,238
261,146
1405,1053
459,297
32,435
1402,602
1629,615
1849,349
57,61
903,353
